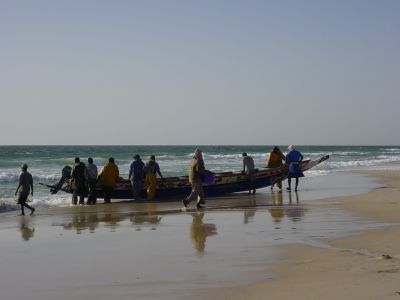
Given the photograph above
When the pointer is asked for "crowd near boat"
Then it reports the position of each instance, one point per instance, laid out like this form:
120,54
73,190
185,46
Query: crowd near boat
85,181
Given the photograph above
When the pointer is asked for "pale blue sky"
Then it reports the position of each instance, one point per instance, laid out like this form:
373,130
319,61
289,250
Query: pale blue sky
200,72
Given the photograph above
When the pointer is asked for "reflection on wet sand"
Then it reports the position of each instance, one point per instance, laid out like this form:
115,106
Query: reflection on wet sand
200,231
83,221
250,213
150,218
151,214
26,231
293,211
111,219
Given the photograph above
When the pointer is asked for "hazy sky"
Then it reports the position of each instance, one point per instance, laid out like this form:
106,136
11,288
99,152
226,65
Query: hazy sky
200,72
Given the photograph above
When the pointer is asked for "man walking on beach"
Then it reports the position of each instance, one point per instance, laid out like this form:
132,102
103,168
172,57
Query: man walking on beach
248,168
196,171
25,185
136,176
79,182
91,177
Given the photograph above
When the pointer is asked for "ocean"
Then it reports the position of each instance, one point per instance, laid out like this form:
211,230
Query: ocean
46,162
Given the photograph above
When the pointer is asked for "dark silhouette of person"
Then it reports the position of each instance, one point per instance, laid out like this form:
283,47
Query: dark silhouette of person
25,186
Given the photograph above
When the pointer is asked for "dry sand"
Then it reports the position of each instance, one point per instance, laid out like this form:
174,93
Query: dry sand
362,266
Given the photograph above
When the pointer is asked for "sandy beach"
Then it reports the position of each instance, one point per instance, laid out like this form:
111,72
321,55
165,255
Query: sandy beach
361,266
268,246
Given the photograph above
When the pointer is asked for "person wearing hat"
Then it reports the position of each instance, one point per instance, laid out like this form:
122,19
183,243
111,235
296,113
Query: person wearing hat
136,176
25,186
150,170
108,177
293,159
275,160
196,171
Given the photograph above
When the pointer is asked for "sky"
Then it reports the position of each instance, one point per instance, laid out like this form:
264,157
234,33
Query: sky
199,72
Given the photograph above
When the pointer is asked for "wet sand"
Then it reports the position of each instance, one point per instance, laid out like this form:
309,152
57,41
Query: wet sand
156,251
361,266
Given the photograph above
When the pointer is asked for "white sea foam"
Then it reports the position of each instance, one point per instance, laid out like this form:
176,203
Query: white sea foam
352,164
8,177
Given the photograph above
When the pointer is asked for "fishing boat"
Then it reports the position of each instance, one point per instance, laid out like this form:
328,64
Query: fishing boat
175,188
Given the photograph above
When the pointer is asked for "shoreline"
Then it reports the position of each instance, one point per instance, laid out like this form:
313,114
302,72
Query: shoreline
232,249
364,265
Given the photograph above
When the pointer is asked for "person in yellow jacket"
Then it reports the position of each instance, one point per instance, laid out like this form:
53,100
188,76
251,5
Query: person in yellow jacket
275,160
150,170
109,176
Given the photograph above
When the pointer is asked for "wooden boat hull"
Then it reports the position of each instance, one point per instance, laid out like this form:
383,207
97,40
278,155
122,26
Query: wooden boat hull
176,188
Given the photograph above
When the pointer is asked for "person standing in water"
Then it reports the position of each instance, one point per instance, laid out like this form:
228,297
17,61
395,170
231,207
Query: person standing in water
136,176
248,168
150,170
91,177
293,159
25,186
196,171
275,160
109,175
79,182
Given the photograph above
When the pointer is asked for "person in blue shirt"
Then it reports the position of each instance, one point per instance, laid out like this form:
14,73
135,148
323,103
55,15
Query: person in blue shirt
293,159
136,176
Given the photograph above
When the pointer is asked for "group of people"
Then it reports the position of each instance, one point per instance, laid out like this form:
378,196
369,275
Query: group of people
276,159
85,178
140,173
292,159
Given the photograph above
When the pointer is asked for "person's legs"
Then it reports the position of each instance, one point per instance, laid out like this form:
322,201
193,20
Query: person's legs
29,207
75,196
200,198
81,197
91,191
194,193
289,181
279,184
22,210
136,187
250,177
107,194
151,186
297,184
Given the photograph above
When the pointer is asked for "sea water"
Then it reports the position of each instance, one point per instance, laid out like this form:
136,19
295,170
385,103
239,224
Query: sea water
46,162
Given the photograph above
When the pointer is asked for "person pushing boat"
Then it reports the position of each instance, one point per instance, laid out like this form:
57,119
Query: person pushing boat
275,160
249,170
293,159
150,170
